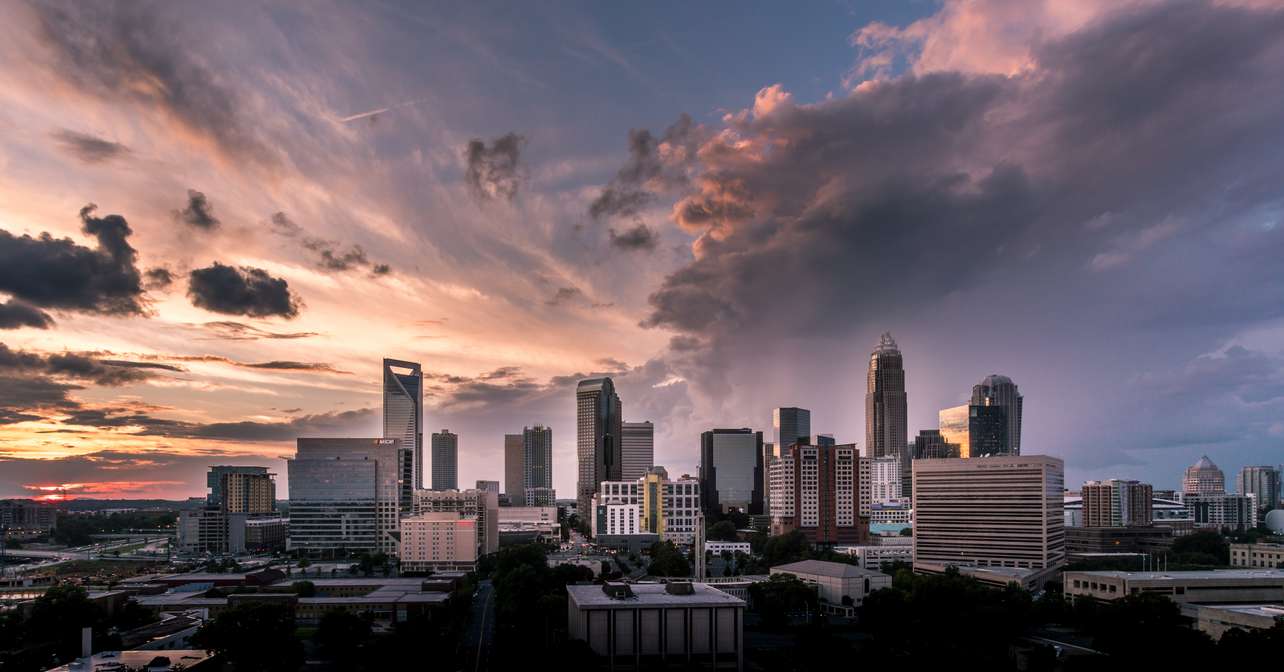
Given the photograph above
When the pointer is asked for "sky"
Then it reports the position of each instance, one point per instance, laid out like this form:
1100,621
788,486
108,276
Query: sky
217,218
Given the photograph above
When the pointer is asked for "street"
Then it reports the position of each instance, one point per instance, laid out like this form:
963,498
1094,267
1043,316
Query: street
481,627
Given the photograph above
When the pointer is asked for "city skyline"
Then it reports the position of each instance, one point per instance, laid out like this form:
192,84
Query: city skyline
518,220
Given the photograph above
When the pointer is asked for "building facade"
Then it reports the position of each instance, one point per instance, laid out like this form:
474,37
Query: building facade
637,449
954,427
930,444
989,512
445,460
653,504
1117,503
537,463
1262,482
345,496
885,480
440,541
403,416
886,418
515,467
818,490
1203,478
997,391
987,429
1222,511
237,496
1268,556
731,470
597,440
478,505
789,425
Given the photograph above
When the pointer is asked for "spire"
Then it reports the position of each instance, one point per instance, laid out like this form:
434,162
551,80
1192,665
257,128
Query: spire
886,343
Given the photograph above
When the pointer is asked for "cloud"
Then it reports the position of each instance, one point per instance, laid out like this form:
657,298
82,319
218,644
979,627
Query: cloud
573,296
330,254
199,212
237,331
654,166
495,171
278,365
57,273
15,314
85,367
640,237
88,148
158,278
241,291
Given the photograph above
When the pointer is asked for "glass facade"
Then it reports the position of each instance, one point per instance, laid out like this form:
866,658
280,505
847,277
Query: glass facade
344,496
597,442
953,424
886,421
987,428
731,470
403,414
445,460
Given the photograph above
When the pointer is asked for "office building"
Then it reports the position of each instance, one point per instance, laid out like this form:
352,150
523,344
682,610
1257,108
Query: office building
789,425
885,480
955,428
1217,620
1261,482
1269,556
999,392
989,512
931,445
1218,586
241,489
987,428
537,463
1117,503
440,541
653,504
265,535
529,523
445,460
236,496
731,471
403,418
598,428
1221,511
644,625
1084,541
345,496
515,468
1203,478
27,516
479,505
821,490
540,497
841,587
886,429
637,449
487,486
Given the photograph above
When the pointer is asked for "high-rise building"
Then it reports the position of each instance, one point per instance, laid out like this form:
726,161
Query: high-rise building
597,441
537,460
653,504
439,541
955,428
637,449
998,391
445,460
930,444
345,495
1203,478
237,495
241,489
987,428
515,468
989,512
479,505
731,471
1218,510
788,426
885,480
403,417
1262,482
1117,503
886,428
488,486
818,490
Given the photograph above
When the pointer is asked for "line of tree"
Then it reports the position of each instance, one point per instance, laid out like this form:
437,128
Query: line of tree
50,635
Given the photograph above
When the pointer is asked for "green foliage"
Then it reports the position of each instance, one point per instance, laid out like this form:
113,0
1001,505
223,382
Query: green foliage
254,637
75,530
341,636
530,601
305,588
1205,547
667,560
58,616
723,530
781,596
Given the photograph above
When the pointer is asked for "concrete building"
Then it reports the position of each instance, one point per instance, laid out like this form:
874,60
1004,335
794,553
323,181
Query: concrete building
873,556
692,625
822,491
265,535
1203,478
241,489
515,468
1084,541
540,521
440,541
841,587
886,417
653,504
1269,556
1220,510
487,486
541,497
1217,620
997,391
445,460
1263,483
345,495
598,429
236,496
28,516
537,465
717,547
885,480
637,449
989,512
1117,503
479,505
403,418
731,471
1219,586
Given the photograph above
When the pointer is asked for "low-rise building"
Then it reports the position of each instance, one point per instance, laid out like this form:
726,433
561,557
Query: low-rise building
689,624
1219,586
1215,620
27,515
1080,540
1220,510
872,556
841,586
266,534
1270,556
197,660
651,504
717,547
440,541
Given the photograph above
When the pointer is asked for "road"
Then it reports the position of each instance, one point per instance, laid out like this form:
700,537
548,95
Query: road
481,627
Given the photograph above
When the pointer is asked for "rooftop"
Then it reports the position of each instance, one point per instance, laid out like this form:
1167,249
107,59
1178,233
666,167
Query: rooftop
653,595
188,658
836,570
1277,574
1275,611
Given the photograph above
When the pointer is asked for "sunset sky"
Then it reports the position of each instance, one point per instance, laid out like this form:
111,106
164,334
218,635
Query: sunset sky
217,218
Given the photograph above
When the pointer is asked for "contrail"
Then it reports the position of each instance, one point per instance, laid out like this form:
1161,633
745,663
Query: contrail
371,113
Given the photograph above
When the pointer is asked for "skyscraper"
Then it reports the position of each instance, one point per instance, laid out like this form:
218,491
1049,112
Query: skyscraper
987,429
537,462
818,490
515,468
1262,482
886,429
731,470
597,441
788,425
445,460
344,496
930,444
403,414
637,446
236,496
999,391
1204,478
1117,503
953,424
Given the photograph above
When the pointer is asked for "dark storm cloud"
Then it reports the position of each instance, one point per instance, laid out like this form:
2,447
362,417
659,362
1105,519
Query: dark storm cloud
565,295
82,367
277,365
15,314
88,148
494,171
57,273
640,237
241,291
198,212
655,165
330,254
342,423
158,278
127,52
237,331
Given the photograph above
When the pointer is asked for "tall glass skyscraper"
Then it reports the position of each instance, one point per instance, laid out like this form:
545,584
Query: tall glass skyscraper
731,470
999,391
637,449
445,460
1263,482
886,427
788,425
953,423
515,468
597,440
403,414
537,460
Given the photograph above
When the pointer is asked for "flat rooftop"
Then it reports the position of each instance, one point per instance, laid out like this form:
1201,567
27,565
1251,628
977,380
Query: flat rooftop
653,595
834,570
139,659
1191,575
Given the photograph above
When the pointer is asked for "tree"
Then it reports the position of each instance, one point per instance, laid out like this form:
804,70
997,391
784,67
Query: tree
305,588
666,560
253,637
1205,547
723,530
341,636
58,616
780,596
